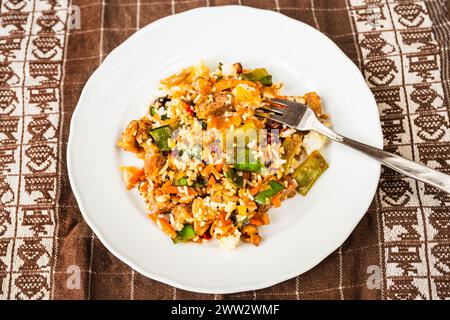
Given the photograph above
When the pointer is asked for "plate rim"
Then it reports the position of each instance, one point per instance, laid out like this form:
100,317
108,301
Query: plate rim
164,279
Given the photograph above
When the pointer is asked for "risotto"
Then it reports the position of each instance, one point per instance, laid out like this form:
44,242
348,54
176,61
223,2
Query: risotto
211,168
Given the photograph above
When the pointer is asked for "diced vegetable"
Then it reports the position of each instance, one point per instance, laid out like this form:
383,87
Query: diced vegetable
242,210
291,146
249,164
153,111
243,94
171,189
312,100
232,175
276,201
185,234
161,136
181,182
252,167
200,182
201,228
243,223
260,219
250,234
159,102
211,181
265,196
231,83
267,81
163,100
203,85
255,190
189,109
138,176
239,222
258,75
204,124
309,171
132,175
166,227
223,123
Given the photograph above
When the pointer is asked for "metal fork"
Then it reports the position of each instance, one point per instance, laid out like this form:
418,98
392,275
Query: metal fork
298,116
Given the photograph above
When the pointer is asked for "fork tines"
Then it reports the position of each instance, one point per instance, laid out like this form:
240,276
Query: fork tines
286,112
271,110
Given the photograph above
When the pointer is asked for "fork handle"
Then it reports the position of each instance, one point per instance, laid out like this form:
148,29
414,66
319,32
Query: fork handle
407,167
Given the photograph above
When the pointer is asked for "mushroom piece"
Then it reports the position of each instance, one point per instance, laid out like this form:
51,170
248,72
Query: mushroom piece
219,105
250,234
237,68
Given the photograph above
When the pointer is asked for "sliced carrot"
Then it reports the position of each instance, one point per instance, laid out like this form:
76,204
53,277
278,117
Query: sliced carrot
250,204
171,189
165,185
207,170
144,187
211,181
204,86
276,201
138,176
191,192
166,227
265,218
253,191
222,218
212,122
175,190
219,167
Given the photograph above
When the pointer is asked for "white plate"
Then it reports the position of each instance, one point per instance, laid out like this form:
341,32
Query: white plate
305,229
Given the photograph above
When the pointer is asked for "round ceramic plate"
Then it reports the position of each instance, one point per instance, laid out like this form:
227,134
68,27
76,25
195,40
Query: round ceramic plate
304,230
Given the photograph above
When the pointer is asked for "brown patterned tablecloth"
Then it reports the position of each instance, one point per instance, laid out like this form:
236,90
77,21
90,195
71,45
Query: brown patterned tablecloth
48,50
